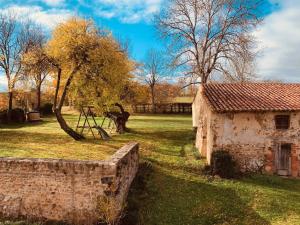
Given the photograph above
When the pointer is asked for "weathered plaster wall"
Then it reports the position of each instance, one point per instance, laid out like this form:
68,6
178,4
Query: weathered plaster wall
63,190
197,103
251,138
204,136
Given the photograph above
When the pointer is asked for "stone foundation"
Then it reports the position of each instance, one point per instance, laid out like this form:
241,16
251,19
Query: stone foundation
65,190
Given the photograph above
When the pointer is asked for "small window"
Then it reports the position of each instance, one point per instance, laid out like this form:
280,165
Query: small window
282,121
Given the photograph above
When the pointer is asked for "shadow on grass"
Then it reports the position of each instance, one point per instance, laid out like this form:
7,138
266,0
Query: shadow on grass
159,196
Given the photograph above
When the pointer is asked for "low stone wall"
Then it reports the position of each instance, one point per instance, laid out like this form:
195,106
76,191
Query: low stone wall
65,190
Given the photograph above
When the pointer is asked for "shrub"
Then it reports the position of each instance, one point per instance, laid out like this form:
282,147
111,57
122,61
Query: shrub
18,115
46,109
196,153
206,170
110,211
222,164
3,116
182,152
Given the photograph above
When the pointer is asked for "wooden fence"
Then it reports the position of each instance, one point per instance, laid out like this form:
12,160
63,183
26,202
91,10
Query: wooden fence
168,108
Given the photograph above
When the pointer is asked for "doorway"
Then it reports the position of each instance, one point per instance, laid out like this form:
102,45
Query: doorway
284,159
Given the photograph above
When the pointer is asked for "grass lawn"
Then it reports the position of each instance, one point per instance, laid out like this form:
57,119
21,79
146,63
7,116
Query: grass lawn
46,140
169,189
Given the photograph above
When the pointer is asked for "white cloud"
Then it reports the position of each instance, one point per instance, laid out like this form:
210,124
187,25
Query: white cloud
48,18
127,11
53,2
3,83
279,39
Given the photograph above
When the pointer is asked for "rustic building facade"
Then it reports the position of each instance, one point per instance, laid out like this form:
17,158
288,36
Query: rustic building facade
258,123
66,190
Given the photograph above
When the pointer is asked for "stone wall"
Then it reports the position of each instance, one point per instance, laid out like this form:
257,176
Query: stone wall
250,137
65,190
253,139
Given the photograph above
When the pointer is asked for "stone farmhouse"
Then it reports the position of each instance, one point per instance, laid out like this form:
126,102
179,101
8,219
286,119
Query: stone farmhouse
258,123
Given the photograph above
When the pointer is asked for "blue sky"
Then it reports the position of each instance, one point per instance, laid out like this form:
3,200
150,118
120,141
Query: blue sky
278,37
127,19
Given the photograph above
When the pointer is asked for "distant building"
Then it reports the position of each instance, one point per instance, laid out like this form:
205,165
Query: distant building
258,123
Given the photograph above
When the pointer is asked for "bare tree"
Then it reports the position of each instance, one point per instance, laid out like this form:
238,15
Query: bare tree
207,36
125,45
36,64
14,40
154,68
241,69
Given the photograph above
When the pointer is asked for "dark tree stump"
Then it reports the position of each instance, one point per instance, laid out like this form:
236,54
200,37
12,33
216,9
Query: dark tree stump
120,118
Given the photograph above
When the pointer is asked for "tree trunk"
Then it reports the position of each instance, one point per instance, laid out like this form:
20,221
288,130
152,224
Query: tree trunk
38,97
10,106
120,125
65,126
153,100
121,121
57,108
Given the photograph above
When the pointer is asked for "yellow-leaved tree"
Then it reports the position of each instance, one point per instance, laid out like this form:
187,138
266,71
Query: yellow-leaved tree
88,62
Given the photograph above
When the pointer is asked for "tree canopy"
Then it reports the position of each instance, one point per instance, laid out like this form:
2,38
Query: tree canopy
87,63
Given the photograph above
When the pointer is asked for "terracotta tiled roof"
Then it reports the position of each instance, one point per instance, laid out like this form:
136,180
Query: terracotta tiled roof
253,97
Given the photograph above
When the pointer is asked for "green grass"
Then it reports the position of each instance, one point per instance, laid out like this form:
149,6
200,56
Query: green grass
170,188
46,140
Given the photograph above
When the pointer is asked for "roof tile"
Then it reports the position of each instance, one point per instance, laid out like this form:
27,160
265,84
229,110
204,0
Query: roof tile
236,97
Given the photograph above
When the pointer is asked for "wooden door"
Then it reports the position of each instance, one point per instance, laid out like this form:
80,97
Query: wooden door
284,159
